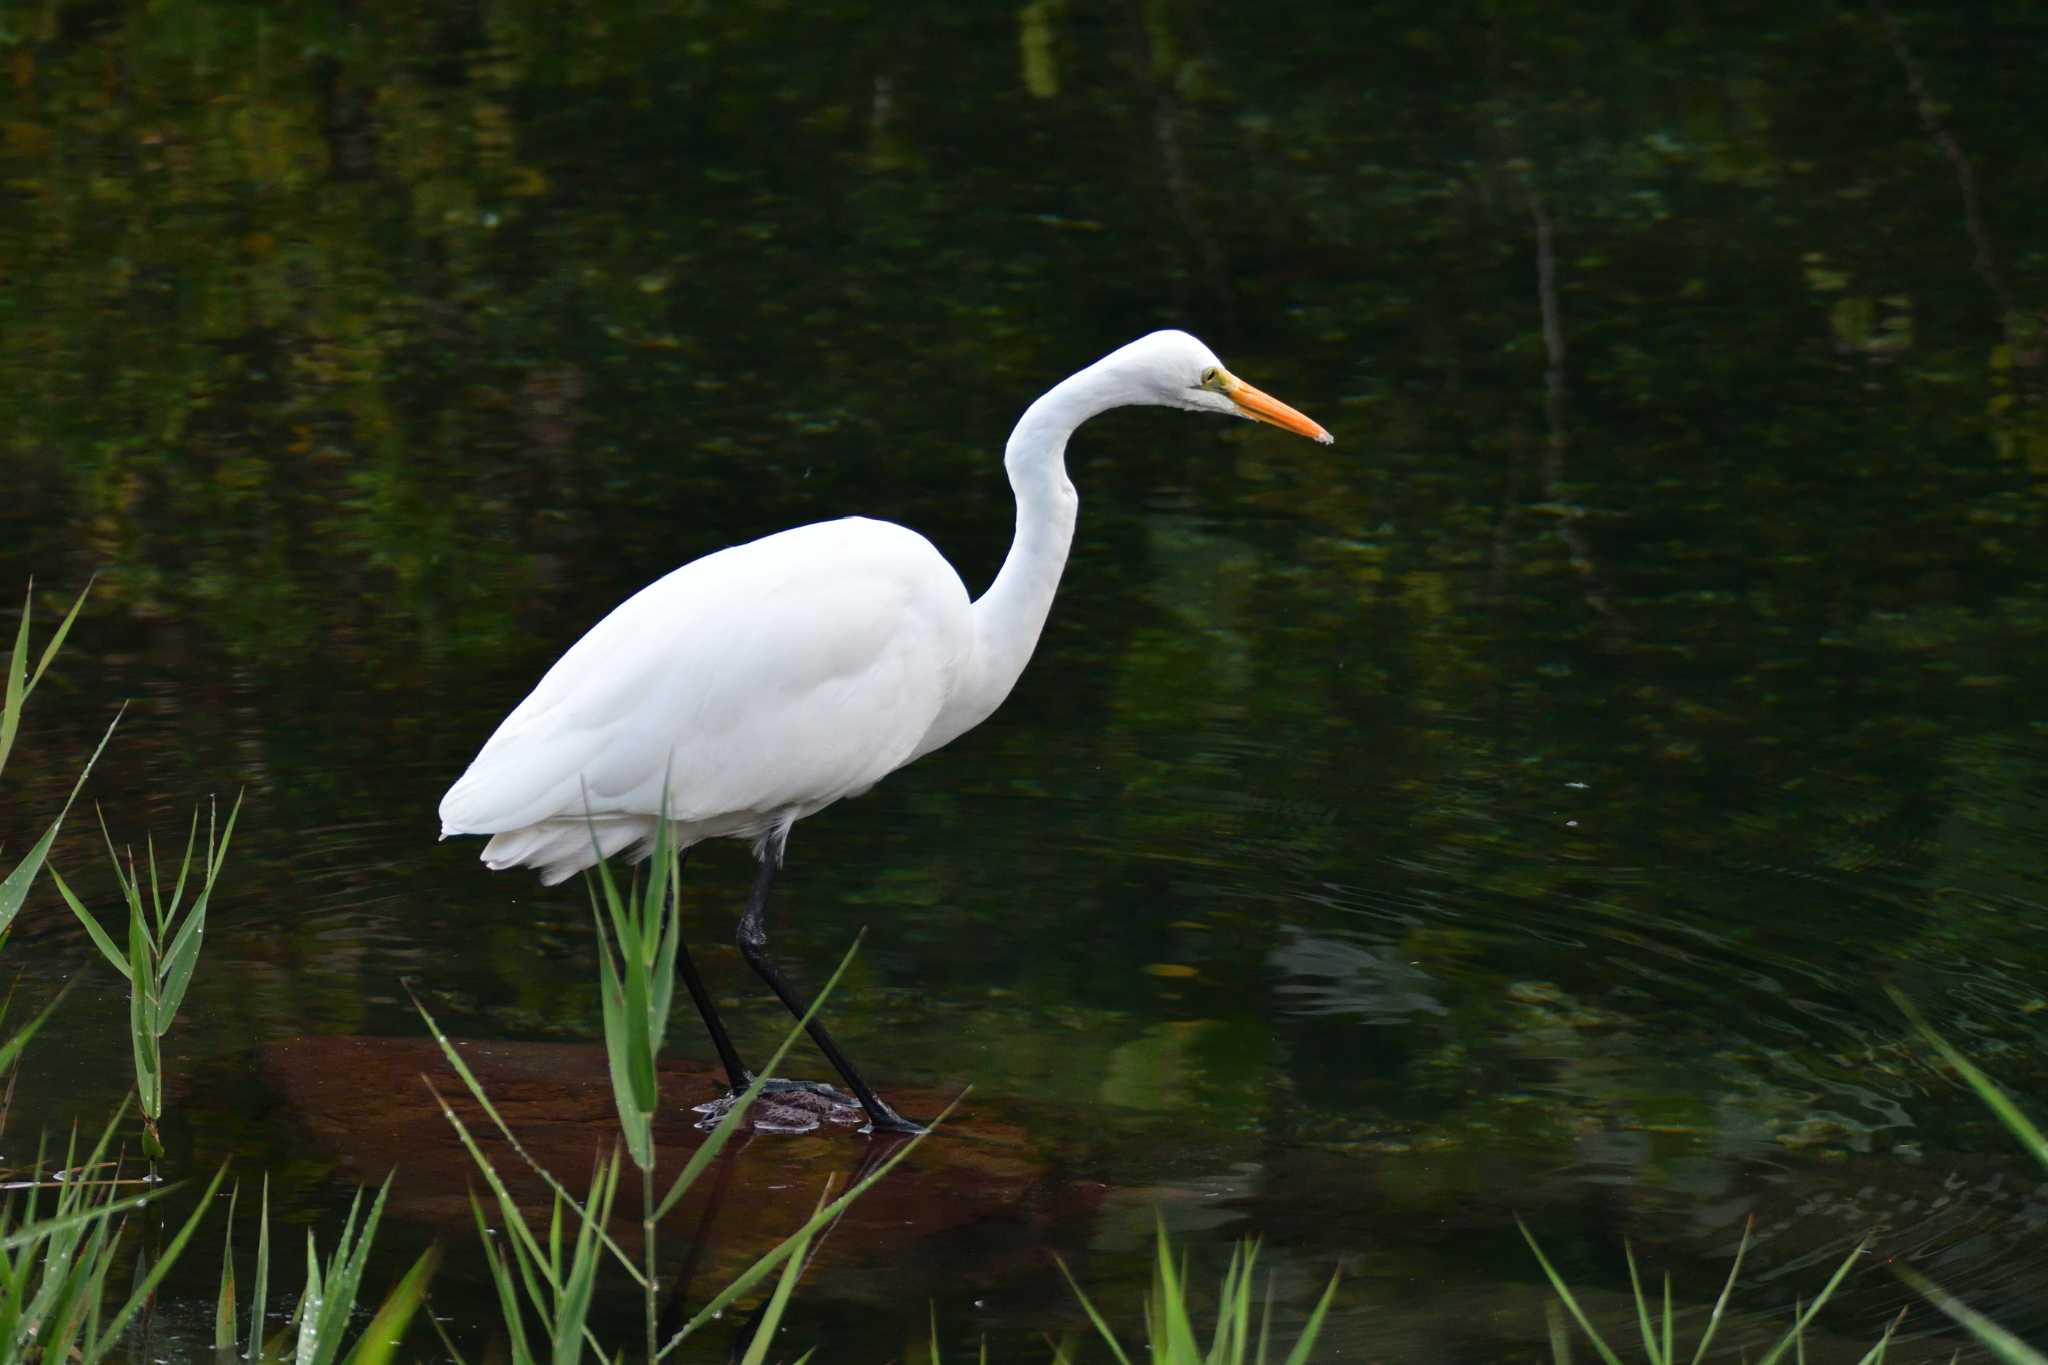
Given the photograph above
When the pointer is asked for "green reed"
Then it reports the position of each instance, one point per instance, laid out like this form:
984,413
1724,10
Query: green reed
61,1229
550,1275
58,1244
20,683
2000,1342
1657,1325
1170,1334
59,1237
315,1333
163,949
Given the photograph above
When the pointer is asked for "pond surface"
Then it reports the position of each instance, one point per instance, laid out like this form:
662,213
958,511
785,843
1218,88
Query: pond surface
1518,807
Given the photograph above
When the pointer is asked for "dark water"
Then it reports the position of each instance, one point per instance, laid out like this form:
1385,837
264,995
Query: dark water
1519,806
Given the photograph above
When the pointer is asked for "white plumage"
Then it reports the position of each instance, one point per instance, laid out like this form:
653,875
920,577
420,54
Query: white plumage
760,684
766,681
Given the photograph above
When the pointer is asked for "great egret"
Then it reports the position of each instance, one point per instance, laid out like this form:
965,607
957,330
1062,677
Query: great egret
764,682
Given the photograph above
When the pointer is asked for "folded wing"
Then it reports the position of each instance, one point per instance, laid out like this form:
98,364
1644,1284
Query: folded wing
768,679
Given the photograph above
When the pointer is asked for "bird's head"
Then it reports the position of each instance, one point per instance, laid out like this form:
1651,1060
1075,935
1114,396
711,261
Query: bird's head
1175,370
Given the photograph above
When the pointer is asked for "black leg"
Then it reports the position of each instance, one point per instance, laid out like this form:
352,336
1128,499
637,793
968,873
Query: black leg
737,1075
753,940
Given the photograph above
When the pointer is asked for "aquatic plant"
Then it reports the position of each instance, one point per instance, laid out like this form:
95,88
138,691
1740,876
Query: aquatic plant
315,1332
2000,1342
56,1259
552,1279
20,684
61,1229
1169,1325
163,949
62,1226
55,1263
1658,1325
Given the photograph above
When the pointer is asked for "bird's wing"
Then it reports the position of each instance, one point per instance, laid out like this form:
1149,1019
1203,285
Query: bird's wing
783,673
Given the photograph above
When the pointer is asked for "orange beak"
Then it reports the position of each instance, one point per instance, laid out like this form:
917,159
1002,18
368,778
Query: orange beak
1263,407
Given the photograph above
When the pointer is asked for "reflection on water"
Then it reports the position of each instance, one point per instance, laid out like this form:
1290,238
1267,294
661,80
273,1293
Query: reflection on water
1516,807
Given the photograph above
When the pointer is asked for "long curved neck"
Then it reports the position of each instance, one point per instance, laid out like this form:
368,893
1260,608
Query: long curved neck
1010,615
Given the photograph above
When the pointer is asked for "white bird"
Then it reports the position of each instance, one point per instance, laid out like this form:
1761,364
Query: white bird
764,682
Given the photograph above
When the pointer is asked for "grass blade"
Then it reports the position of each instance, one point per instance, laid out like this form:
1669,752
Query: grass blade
507,1287
1983,1329
163,912
1670,1324
579,1285
1231,1338
183,954
1314,1326
68,1219
640,1042
755,1273
14,890
1560,1332
625,1047
92,925
1994,1098
19,683
1794,1336
1643,1325
224,1303
1564,1293
1266,1321
708,1150
1875,1355
483,1100
668,874
313,1298
1094,1314
1721,1304
381,1336
261,1286
108,1335
11,1049
142,1029
56,640
1171,1317
17,678
329,1300
778,1302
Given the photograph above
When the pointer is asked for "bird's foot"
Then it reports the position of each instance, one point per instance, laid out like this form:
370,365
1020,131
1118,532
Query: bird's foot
788,1107
890,1122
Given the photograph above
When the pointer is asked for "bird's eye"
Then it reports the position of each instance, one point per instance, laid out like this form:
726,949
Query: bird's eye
1209,378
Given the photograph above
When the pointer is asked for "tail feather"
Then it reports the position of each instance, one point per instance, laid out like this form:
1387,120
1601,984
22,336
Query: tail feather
562,848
